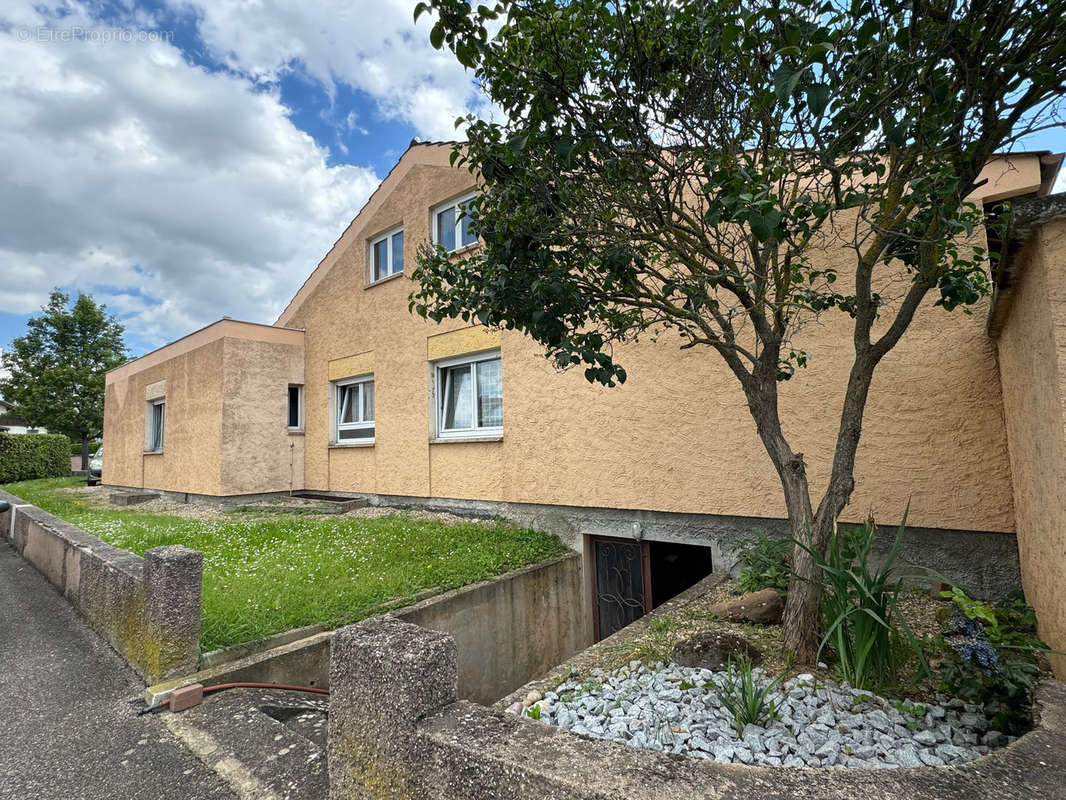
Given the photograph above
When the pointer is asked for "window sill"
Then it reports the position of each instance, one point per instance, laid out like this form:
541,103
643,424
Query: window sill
492,437
294,431
466,248
392,277
152,452
346,445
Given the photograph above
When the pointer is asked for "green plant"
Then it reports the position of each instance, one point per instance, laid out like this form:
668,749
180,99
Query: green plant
661,625
533,712
765,564
991,658
860,609
744,697
28,456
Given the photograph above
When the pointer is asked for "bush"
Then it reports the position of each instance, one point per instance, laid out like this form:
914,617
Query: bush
28,456
765,564
75,448
991,658
860,610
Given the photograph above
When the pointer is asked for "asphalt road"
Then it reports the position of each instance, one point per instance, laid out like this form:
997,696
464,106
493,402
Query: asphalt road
67,728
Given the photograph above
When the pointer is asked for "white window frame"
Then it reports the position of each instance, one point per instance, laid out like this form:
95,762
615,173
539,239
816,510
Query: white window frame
387,238
440,399
436,210
299,426
339,426
149,426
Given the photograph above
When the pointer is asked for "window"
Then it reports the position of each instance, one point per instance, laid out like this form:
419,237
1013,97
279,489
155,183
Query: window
295,417
355,410
386,255
451,227
470,397
156,418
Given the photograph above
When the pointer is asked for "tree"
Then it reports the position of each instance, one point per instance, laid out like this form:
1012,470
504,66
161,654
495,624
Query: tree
57,369
680,165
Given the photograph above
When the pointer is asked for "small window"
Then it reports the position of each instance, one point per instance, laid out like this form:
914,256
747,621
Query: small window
451,226
470,396
156,423
355,410
386,255
295,418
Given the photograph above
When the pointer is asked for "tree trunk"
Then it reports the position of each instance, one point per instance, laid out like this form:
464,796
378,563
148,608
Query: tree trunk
85,455
802,622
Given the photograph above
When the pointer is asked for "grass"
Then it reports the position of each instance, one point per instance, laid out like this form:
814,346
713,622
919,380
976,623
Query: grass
274,573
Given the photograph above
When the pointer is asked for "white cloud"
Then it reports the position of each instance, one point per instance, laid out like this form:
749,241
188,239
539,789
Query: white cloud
371,45
175,194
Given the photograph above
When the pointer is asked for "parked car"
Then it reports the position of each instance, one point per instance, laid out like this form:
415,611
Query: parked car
96,464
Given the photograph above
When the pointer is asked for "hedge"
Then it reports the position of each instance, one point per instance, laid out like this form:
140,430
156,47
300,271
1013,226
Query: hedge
26,456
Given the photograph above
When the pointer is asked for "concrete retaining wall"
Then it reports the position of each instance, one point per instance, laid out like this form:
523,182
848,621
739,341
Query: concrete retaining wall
148,608
508,630
398,732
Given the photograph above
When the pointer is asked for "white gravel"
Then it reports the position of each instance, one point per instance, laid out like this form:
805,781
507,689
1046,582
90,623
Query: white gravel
676,709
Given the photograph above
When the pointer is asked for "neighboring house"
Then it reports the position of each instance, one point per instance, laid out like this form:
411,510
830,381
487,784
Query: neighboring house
349,393
9,423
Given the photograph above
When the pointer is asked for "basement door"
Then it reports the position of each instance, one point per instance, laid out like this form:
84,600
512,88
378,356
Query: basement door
621,583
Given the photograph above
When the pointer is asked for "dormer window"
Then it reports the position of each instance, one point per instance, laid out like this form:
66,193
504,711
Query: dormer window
386,255
451,227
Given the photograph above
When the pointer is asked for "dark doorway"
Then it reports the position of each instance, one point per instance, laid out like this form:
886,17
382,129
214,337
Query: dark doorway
676,567
630,578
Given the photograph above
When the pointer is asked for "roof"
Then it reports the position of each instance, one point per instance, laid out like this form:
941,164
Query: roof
223,328
1026,216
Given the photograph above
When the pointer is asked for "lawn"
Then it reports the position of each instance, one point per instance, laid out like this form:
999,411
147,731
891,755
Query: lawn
266,573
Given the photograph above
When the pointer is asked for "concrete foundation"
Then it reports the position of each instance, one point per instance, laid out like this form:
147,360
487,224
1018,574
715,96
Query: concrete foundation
984,563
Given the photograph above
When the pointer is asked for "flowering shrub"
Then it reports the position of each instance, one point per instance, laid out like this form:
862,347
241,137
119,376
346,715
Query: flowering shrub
991,657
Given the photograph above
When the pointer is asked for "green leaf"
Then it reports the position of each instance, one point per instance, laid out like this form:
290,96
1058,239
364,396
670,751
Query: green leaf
817,98
785,82
436,36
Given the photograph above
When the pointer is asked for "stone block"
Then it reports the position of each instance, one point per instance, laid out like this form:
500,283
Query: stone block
186,697
385,676
173,580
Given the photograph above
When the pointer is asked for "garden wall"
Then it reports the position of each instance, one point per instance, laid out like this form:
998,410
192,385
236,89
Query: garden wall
508,630
147,608
398,732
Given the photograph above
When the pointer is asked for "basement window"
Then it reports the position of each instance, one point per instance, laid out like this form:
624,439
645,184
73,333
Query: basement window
470,396
155,419
354,400
295,416
386,255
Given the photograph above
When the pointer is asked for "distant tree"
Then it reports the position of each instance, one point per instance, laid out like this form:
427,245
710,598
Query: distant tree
56,371
671,164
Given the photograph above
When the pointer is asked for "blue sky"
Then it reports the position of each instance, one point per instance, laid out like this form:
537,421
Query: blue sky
183,160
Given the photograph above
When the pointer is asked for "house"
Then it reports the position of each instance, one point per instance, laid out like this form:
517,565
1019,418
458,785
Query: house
655,481
10,423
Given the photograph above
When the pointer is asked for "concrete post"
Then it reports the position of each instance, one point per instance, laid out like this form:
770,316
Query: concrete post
385,675
173,582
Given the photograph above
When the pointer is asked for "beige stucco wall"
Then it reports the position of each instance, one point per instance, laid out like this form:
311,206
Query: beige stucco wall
677,436
1032,355
191,460
226,392
259,453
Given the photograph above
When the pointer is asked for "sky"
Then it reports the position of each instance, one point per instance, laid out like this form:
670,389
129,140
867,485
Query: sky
184,160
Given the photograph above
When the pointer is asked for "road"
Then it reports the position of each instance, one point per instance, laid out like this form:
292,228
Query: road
68,730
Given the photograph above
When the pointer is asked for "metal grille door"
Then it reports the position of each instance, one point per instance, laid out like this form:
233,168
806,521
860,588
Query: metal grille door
622,583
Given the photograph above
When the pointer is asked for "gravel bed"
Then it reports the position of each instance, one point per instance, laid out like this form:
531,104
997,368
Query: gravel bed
819,724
